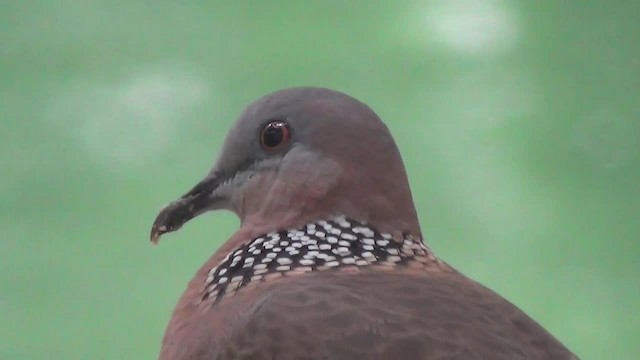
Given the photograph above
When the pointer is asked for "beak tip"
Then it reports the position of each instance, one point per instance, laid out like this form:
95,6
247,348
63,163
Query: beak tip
175,214
156,233
155,238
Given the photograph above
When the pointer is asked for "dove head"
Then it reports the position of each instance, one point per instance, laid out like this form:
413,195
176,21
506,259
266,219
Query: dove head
298,155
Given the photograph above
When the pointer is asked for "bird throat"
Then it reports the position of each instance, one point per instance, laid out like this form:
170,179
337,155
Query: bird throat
334,244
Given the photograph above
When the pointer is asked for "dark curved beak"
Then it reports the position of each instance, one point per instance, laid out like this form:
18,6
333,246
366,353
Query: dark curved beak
200,199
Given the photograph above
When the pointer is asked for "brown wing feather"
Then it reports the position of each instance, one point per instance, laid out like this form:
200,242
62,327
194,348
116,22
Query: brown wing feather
339,316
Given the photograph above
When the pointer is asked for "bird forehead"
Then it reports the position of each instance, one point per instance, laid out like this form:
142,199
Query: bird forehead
303,106
327,123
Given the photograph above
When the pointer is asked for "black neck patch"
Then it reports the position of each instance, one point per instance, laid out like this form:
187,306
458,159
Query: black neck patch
320,245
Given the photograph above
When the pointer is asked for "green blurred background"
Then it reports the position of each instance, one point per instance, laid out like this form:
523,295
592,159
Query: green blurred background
519,122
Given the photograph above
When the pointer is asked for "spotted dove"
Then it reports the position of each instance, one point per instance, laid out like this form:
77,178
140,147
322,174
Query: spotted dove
329,261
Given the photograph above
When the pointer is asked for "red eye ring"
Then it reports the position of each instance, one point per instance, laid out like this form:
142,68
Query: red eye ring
274,134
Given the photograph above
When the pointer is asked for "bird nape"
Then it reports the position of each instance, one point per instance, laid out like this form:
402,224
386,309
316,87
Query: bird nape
329,261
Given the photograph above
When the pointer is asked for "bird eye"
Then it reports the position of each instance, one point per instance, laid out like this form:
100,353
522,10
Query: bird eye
274,134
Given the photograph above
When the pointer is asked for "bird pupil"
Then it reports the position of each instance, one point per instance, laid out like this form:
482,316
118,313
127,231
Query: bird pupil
272,135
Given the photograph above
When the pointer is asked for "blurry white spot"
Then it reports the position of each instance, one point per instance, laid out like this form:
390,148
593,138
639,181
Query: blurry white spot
125,122
470,26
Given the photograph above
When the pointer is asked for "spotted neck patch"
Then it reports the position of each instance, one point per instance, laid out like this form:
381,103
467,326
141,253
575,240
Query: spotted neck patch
320,245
